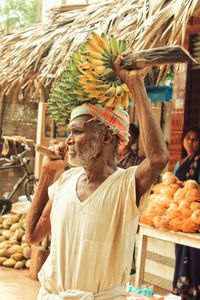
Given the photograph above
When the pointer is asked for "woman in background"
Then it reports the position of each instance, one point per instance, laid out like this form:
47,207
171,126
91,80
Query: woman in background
186,282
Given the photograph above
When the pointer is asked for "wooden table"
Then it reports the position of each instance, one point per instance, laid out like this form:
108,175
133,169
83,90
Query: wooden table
187,239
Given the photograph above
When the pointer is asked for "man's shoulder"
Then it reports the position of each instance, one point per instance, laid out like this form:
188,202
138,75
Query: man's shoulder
70,173
128,171
73,170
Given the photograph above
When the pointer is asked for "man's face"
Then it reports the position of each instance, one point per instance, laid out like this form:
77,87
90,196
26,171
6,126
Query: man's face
84,143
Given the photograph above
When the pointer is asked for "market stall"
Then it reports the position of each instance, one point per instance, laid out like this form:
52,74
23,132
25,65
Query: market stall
171,217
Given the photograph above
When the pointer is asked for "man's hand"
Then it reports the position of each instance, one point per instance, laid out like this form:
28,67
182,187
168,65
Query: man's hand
133,79
58,164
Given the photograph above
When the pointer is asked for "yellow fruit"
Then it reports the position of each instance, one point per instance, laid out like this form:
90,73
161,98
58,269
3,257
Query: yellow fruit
84,68
97,40
100,69
95,55
125,100
90,46
119,91
95,62
125,87
110,102
110,92
103,88
118,101
90,75
102,99
94,94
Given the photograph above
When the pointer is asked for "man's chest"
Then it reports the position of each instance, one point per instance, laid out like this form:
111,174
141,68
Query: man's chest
85,189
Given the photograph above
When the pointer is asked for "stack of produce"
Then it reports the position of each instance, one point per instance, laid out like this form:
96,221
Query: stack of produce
14,252
174,205
90,77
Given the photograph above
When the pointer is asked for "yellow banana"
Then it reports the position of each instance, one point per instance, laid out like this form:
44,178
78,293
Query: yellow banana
103,87
90,87
119,91
95,62
84,68
83,80
102,43
110,92
95,55
94,77
90,76
97,40
96,95
118,101
110,102
100,69
102,99
106,42
125,100
125,87
91,46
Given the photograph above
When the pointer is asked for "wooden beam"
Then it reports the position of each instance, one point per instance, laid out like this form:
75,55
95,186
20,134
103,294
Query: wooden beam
2,106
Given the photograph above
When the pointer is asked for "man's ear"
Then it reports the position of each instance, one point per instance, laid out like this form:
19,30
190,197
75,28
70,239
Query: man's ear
108,137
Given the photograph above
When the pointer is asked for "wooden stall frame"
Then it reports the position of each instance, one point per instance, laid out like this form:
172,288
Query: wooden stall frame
187,239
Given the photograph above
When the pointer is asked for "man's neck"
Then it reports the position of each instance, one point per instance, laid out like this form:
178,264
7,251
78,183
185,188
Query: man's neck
99,171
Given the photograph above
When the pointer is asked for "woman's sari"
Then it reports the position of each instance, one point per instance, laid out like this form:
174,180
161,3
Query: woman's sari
186,282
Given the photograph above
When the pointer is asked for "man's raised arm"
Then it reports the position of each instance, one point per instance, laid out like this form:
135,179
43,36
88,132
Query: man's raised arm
151,134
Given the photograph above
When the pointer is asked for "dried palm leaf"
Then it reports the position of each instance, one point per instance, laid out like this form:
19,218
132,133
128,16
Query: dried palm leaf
45,49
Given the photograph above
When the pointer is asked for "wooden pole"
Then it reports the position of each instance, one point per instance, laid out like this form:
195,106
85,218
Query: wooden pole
53,129
2,106
39,10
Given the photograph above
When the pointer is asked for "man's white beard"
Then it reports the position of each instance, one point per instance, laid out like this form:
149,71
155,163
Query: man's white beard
86,155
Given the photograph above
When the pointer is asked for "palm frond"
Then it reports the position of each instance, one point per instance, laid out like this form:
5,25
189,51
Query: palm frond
38,55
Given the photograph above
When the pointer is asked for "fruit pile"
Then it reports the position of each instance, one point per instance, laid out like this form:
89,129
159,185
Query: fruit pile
174,205
14,252
90,76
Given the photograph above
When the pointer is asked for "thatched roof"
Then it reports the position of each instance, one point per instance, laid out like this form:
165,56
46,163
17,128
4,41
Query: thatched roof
32,59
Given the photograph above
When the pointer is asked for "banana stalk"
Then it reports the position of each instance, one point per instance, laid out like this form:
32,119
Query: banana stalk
156,56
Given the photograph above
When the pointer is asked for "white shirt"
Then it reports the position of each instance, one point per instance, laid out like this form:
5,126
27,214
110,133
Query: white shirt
91,241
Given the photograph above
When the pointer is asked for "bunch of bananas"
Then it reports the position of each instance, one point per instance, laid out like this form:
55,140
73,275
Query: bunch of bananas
90,76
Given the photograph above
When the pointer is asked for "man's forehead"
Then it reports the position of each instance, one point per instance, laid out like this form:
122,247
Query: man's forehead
84,120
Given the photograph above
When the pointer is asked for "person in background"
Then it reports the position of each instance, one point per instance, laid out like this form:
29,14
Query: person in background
186,282
127,156
93,210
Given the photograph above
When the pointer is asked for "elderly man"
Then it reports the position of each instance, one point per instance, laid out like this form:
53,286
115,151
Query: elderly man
92,211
